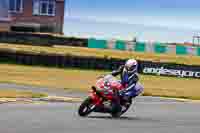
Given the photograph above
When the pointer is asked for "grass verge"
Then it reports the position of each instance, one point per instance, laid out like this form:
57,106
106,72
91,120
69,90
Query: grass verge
6,93
81,80
80,51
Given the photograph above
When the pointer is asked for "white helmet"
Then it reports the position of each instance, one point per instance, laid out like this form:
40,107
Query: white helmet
131,66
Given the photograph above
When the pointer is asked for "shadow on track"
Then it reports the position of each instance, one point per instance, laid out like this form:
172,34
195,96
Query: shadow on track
125,118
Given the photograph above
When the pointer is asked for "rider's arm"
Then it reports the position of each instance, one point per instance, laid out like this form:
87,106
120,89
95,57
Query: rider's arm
118,71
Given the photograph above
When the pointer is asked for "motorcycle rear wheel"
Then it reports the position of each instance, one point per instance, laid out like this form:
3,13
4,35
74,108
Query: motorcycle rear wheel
86,107
124,109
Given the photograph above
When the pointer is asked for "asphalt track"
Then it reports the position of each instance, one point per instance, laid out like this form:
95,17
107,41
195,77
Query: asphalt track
148,115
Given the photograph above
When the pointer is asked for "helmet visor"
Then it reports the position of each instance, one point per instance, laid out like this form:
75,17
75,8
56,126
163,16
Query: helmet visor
130,69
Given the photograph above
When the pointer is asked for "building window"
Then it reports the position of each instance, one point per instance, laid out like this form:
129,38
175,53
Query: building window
4,15
44,7
15,5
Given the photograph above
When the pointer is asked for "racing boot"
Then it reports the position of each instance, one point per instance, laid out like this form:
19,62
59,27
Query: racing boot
116,108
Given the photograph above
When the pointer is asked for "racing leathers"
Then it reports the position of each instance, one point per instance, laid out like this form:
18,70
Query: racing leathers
130,82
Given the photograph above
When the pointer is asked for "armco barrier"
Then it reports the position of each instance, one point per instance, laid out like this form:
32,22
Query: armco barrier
145,67
156,47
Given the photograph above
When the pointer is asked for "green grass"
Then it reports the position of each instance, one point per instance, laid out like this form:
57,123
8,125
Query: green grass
81,80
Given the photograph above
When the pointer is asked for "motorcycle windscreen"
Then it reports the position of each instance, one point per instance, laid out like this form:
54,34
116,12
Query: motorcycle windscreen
4,10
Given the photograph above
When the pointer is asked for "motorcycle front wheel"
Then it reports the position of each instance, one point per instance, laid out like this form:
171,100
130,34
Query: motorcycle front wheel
86,107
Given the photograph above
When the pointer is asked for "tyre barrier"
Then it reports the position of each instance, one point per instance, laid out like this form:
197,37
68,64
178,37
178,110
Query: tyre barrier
106,63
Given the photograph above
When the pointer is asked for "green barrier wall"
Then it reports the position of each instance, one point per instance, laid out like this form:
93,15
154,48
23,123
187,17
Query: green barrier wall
120,45
198,51
93,43
140,47
160,48
144,47
181,50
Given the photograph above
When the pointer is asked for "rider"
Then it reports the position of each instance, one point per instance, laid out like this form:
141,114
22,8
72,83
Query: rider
129,79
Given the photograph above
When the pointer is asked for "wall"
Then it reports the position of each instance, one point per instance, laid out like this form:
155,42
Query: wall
4,16
156,47
27,17
4,26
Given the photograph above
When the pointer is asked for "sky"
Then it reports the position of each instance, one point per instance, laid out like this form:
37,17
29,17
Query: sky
148,20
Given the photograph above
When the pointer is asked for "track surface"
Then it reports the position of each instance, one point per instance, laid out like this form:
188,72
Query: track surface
49,91
151,115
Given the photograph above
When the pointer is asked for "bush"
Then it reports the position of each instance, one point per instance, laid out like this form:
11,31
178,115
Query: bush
23,29
29,38
47,29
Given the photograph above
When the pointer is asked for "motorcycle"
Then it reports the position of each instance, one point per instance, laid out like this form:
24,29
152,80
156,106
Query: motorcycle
101,96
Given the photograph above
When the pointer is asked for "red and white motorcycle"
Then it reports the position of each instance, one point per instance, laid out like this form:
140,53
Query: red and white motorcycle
101,95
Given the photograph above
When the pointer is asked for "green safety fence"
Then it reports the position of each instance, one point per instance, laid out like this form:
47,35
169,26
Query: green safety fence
120,45
198,51
160,48
140,47
93,43
181,50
